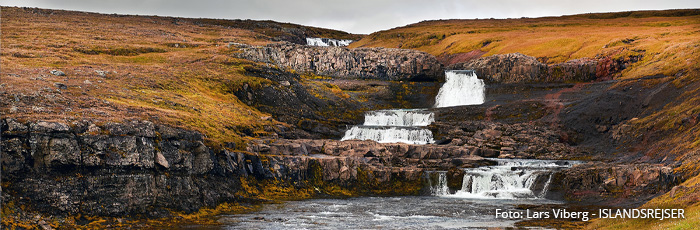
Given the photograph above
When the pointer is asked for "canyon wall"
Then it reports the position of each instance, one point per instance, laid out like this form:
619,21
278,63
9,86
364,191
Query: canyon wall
343,63
520,68
141,168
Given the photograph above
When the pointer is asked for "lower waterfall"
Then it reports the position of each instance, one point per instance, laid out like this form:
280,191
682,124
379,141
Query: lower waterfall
510,179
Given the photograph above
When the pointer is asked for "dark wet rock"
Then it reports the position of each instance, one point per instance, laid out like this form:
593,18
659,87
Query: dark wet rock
344,63
618,184
139,168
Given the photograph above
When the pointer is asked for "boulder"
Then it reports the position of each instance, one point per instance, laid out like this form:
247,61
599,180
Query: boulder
58,72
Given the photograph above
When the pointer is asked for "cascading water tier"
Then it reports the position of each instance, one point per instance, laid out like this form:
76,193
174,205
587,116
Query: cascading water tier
398,125
399,117
510,179
462,87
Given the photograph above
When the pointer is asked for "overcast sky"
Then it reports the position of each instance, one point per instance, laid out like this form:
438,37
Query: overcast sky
355,16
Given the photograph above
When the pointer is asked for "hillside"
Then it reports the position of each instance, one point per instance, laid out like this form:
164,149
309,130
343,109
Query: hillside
170,70
176,119
666,40
651,43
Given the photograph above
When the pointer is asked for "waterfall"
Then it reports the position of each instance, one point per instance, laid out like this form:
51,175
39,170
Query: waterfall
399,117
440,187
327,42
394,125
510,179
390,134
461,87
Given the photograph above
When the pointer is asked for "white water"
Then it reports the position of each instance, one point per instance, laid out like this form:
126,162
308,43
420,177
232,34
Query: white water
394,125
390,134
440,188
327,42
461,87
510,179
399,117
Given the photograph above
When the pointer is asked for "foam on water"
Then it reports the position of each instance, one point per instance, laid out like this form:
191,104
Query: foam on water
462,87
510,179
390,134
399,117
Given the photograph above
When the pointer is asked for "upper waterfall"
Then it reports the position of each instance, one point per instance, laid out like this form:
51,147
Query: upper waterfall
327,42
462,87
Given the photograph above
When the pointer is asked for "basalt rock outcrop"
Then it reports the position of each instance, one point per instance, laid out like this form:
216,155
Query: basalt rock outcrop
312,107
520,68
142,168
612,183
502,140
394,154
288,100
343,63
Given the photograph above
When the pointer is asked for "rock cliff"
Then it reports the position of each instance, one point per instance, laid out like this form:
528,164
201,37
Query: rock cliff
520,68
344,63
142,168
324,108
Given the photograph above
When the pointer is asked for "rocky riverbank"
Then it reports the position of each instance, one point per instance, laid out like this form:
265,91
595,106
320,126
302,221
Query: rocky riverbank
145,169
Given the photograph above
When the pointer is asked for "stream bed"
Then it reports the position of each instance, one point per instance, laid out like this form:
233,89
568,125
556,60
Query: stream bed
411,212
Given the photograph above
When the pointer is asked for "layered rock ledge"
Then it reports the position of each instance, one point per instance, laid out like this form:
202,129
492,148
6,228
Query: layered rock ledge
142,168
343,63
520,68
625,185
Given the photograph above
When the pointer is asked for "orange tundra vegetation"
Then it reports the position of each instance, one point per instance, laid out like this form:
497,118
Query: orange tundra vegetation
174,71
667,40
668,43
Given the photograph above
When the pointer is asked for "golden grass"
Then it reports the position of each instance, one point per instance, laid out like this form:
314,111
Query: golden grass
686,199
667,41
177,72
669,44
